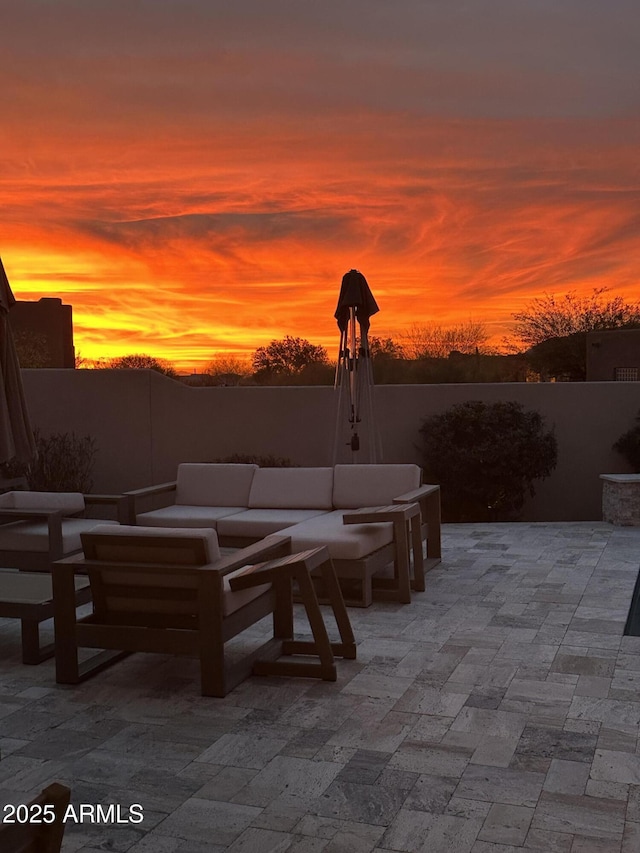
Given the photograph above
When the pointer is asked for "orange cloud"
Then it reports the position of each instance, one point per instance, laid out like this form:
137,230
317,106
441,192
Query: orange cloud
192,187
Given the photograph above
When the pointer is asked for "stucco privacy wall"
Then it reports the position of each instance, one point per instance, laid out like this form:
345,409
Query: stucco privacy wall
145,424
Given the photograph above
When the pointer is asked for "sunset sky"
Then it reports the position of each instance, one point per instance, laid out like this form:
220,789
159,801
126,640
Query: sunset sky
196,176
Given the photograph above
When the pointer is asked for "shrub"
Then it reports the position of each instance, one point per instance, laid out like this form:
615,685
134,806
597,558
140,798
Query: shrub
628,445
486,458
256,459
64,464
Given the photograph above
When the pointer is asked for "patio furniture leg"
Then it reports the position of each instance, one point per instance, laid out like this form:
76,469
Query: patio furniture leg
402,568
68,668
283,612
321,646
434,547
418,583
64,616
213,680
31,651
346,648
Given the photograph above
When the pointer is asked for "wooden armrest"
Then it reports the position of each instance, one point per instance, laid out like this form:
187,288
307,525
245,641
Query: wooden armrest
152,490
127,511
102,499
264,572
415,495
270,547
254,576
32,514
120,502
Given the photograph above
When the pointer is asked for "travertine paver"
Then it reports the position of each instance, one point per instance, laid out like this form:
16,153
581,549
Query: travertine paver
499,711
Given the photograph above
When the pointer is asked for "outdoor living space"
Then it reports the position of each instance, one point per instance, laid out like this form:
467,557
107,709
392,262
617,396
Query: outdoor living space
498,711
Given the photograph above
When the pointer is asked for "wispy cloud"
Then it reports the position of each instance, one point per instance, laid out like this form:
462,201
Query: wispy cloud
196,175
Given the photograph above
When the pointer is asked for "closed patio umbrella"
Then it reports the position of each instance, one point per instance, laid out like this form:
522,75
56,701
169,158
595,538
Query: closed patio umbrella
356,427
16,435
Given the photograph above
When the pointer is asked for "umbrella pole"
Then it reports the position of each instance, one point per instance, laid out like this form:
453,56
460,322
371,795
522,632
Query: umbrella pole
340,379
354,409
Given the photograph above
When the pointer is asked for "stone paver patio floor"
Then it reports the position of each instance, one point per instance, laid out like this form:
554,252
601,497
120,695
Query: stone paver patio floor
499,711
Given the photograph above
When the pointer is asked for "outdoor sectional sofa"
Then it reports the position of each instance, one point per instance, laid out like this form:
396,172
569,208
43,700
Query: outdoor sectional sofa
245,503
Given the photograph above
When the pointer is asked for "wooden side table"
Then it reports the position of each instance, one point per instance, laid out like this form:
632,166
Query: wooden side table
28,596
296,570
407,536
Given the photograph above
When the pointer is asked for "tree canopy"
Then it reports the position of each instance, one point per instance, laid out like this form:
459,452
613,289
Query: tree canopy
228,370
385,348
288,356
434,341
549,316
140,361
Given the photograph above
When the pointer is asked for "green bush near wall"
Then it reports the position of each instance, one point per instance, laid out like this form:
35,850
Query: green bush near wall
486,457
628,445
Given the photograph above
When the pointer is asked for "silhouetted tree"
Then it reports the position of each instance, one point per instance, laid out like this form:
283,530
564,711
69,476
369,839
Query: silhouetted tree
550,317
288,356
139,361
32,349
228,370
385,348
434,341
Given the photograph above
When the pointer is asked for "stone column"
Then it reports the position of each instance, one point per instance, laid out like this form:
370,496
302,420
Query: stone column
621,499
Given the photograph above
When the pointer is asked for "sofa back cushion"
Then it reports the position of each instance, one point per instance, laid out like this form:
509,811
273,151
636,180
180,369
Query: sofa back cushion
214,484
68,502
292,488
372,485
121,543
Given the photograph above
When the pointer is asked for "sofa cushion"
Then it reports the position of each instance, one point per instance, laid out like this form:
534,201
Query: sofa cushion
34,535
214,484
344,541
184,515
292,488
356,486
68,502
256,523
120,545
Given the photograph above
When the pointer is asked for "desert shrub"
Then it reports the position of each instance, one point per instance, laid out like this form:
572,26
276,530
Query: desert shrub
64,464
256,459
486,457
628,445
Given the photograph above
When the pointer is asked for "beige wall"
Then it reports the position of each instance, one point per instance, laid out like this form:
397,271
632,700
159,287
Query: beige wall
610,349
145,424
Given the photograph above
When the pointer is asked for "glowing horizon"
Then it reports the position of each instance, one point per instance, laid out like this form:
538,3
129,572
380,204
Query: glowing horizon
196,186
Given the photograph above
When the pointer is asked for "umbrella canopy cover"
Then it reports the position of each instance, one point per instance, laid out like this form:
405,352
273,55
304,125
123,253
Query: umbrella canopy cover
356,427
355,294
16,435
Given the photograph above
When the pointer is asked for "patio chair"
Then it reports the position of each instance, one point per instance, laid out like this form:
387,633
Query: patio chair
168,590
37,836
37,528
